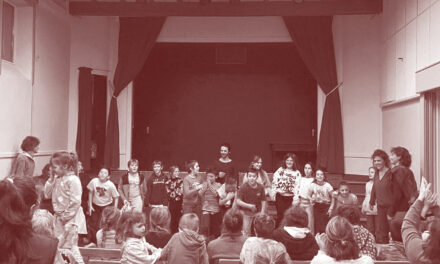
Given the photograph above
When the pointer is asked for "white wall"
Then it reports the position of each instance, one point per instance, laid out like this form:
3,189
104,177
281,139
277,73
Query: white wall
358,59
36,108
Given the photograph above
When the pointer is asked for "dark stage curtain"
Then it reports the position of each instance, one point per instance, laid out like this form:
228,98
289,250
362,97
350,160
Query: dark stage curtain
137,36
313,37
85,104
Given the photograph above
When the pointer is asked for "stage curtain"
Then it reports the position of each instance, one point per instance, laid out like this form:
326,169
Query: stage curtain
137,36
85,105
313,37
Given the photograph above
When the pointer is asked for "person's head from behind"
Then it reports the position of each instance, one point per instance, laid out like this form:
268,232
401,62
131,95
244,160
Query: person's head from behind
64,162
42,223
225,150
308,169
210,174
103,175
45,172
233,221
189,222
290,161
110,217
160,218
30,144
351,213
256,163
157,167
340,243
15,224
380,159
193,166
252,176
130,224
296,216
271,255
28,192
432,244
133,166
264,225
344,189
400,156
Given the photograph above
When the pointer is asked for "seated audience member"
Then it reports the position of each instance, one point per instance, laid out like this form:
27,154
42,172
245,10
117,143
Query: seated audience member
262,247
337,244
42,223
186,246
364,239
295,235
419,250
18,242
131,230
229,244
106,236
159,233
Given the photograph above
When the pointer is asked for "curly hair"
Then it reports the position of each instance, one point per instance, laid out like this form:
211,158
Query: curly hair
403,153
383,155
29,143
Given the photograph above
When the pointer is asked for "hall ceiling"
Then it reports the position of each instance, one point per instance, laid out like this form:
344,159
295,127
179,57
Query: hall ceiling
154,8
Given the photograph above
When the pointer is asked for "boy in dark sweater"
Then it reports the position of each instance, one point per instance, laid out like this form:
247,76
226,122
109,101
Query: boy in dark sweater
156,194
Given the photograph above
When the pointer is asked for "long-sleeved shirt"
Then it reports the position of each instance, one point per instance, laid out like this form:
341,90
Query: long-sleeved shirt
286,182
24,165
382,191
156,190
135,251
404,188
412,238
210,197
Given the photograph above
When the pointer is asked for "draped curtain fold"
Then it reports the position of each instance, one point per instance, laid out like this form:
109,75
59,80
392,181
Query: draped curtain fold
137,36
313,37
85,105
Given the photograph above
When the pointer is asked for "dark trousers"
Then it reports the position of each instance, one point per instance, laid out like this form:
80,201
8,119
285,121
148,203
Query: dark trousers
94,222
382,227
321,217
176,212
372,223
211,225
396,226
282,203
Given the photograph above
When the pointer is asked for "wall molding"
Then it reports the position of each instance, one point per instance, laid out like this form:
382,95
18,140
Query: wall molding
9,155
357,156
400,101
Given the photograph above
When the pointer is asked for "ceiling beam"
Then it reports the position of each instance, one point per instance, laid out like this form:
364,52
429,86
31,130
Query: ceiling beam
212,8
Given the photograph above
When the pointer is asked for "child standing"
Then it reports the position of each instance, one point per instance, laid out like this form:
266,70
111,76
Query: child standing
130,186
211,217
186,246
191,186
65,189
304,194
106,236
371,213
131,230
321,194
226,194
156,194
174,186
251,199
102,193
341,197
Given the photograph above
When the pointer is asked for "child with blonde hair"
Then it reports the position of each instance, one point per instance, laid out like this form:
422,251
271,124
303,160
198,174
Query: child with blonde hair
64,187
131,231
106,236
159,233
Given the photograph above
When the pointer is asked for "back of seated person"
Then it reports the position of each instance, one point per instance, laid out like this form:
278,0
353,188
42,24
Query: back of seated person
295,235
106,236
159,233
229,244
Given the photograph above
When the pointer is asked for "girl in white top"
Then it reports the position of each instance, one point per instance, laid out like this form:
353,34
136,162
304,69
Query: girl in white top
321,195
370,213
285,185
65,189
337,245
304,194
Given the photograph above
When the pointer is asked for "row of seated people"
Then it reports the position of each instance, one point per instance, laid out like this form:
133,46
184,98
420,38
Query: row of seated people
29,235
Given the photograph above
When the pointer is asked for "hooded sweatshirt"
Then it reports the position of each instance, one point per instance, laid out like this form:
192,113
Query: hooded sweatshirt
299,242
186,246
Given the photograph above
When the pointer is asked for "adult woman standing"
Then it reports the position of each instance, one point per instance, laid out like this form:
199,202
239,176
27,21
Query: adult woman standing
224,165
382,193
285,185
404,189
24,164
